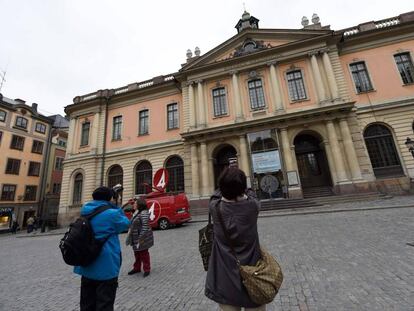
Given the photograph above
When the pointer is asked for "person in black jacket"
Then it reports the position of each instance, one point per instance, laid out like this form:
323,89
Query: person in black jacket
239,209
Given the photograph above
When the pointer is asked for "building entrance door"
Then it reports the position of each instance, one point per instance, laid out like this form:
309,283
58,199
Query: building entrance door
221,161
312,162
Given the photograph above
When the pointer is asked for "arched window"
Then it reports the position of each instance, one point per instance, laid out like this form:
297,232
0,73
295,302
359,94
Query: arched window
175,168
115,176
143,175
77,189
382,151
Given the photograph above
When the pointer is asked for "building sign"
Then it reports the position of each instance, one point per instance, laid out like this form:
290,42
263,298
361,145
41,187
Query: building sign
265,162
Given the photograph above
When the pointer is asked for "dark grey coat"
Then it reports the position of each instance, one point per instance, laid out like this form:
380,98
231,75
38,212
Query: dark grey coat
141,232
223,283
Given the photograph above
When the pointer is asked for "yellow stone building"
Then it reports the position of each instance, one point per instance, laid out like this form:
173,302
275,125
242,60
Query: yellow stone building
306,112
24,149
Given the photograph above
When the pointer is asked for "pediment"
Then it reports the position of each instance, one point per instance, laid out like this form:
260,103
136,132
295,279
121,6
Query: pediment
250,42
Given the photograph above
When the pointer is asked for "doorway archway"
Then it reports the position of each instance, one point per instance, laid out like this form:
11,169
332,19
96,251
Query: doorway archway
312,162
221,160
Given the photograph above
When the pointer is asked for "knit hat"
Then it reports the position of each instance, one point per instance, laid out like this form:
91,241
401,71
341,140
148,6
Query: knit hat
103,194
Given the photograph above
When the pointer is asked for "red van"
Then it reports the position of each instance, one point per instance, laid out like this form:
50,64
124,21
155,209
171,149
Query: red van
165,209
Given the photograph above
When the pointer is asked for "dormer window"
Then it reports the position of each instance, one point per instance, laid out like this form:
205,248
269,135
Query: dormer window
21,122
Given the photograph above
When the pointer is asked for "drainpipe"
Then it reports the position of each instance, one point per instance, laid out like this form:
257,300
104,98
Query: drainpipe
44,179
107,98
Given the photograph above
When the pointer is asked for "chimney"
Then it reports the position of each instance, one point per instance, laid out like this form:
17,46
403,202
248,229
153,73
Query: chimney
34,107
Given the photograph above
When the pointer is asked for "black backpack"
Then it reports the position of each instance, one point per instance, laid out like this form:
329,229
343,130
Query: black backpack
79,246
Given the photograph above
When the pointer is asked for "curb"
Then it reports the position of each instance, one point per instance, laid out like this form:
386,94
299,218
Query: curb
269,214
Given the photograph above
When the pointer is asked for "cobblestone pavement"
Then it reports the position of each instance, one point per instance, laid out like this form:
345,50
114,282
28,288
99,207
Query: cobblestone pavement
341,261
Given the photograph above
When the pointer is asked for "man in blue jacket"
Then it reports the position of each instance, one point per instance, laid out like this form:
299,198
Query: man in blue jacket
100,279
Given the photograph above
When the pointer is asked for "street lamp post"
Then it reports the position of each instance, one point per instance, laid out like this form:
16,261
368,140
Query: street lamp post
410,145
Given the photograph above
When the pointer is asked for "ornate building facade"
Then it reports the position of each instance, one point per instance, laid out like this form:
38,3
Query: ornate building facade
305,111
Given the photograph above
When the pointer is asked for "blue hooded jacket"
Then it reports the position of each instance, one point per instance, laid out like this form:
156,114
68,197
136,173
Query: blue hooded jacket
107,223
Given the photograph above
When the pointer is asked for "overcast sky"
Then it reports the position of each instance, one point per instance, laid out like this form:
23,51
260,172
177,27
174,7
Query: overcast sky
54,50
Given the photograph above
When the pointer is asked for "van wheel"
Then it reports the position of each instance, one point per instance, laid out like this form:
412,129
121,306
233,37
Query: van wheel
163,224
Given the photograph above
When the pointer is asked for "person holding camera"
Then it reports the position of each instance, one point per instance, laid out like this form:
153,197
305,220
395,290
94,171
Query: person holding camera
234,209
100,279
141,238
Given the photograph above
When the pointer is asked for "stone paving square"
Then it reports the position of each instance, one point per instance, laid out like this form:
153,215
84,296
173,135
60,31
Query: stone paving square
336,261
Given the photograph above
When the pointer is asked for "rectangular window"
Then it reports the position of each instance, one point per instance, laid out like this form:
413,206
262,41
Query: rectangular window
37,147
56,188
17,142
34,169
8,192
117,128
256,94
219,102
296,85
3,115
405,67
13,166
21,122
30,193
59,164
143,122
172,116
40,127
1,136
85,133
361,79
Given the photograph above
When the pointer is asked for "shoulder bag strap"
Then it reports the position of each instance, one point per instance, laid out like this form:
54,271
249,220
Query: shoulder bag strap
97,211
226,234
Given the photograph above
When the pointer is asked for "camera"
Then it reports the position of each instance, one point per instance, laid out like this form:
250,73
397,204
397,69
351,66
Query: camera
117,190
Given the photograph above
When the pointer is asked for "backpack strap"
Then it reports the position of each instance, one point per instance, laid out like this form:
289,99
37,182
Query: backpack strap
97,211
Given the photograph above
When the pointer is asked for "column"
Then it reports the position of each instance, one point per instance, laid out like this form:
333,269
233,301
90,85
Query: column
200,104
195,171
204,170
95,129
318,78
331,162
336,152
287,152
238,108
330,74
350,150
275,88
71,135
244,155
191,104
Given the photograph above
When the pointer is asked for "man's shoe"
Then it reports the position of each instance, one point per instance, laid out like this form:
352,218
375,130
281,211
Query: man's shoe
146,274
133,272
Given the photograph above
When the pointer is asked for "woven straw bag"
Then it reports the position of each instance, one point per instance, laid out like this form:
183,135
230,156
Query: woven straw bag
263,280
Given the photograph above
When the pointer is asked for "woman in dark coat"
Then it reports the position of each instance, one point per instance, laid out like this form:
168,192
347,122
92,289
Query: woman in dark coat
141,238
239,212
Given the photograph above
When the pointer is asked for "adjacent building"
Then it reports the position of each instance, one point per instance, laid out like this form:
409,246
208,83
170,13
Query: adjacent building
60,129
305,111
24,140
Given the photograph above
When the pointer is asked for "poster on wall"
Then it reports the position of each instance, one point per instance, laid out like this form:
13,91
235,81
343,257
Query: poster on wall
265,162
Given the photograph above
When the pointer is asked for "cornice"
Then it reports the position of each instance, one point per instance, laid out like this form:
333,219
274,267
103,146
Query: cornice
407,102
281,121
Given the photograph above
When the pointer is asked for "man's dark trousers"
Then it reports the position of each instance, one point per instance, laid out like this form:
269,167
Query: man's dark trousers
98,295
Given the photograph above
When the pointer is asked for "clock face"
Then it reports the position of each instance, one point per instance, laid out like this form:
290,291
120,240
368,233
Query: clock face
269,183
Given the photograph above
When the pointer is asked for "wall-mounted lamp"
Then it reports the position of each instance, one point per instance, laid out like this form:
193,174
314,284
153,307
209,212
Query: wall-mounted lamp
410,145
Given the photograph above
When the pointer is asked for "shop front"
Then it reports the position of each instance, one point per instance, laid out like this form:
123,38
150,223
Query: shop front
6,218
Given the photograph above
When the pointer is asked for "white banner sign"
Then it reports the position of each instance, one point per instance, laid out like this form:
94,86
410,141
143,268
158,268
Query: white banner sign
265,162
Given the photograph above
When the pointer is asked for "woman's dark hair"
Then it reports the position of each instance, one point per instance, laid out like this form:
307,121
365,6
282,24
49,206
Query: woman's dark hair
232,183
141,204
